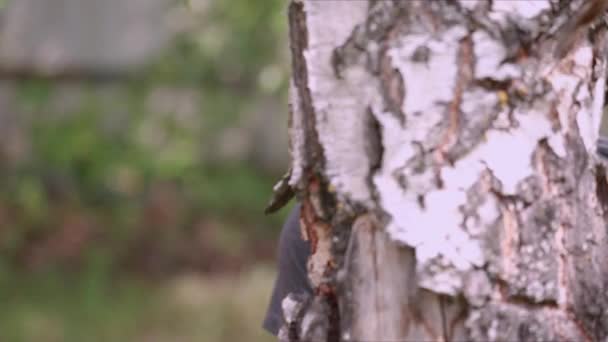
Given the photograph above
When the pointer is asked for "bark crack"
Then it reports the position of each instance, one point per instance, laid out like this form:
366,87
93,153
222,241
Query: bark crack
464,77
374,150
444,323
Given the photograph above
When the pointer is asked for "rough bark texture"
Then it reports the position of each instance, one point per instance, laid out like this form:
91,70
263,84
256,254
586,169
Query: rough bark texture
443,155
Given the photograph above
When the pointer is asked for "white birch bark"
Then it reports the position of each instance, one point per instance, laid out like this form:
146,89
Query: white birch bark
445,160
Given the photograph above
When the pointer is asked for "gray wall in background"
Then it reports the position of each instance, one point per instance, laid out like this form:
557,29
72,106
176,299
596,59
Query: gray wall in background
74,36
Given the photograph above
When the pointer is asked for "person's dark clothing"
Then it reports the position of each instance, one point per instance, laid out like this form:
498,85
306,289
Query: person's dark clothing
292,277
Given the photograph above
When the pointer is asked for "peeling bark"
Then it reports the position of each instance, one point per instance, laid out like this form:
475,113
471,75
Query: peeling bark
444,155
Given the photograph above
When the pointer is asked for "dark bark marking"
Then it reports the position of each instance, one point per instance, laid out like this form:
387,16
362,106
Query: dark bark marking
601,188
573,29
464,77
393,86
308,218
374,146
381,25
556,124
421,201
493,84
374,149
298,35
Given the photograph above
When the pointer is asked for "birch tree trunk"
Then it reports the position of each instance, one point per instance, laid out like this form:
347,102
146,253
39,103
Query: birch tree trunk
444,157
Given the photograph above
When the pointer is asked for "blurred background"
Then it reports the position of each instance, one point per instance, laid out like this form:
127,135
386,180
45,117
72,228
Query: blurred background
139,142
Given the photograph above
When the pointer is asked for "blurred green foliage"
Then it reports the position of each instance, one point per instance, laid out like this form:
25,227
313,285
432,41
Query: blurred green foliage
118,153
235,40
55,307
108,181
